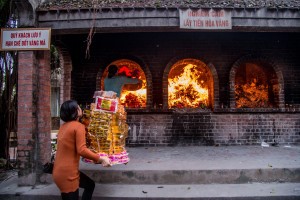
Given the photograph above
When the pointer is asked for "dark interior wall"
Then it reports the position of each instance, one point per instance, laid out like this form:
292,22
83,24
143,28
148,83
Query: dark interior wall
156,50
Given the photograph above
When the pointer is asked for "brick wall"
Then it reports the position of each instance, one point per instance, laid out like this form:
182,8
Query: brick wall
156,52
213,129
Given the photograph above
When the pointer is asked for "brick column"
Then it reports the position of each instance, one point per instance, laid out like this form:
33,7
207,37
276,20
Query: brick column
44,112
34,146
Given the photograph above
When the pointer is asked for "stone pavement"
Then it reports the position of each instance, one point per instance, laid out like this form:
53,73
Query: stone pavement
191,172
209,157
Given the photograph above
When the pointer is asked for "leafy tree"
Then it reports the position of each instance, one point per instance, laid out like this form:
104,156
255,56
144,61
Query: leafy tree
4,11
8,88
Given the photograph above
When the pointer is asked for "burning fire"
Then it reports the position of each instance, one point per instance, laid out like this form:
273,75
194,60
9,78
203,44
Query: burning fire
130,98
137,98
251,95
188,89
134,99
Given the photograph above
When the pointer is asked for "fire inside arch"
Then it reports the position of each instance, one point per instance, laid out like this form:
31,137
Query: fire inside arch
130,98
189,85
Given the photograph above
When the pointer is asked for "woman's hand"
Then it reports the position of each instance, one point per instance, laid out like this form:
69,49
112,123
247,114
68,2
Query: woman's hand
105,161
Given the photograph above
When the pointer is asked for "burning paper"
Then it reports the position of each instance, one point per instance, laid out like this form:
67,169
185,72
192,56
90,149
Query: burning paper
188,88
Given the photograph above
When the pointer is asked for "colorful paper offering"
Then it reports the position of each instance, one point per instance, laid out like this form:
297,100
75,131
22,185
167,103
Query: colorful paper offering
107,129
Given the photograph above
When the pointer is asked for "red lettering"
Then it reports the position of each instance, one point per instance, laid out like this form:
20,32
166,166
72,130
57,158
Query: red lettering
218,13
222,23
13,35
198,23
24,35
8,43
17,43
42,42
209,23
34,43
199,13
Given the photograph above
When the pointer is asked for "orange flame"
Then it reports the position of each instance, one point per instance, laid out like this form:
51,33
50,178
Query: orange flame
134,99
251,95
187,89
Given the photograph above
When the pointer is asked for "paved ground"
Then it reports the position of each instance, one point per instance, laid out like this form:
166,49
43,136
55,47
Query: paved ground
184,158
207,157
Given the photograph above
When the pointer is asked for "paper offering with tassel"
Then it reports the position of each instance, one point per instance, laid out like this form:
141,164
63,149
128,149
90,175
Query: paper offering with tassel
107,129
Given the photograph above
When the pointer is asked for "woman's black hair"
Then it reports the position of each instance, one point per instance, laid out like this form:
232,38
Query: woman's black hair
69,111
112,71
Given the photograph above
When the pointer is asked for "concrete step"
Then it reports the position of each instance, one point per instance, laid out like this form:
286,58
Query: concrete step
202,165
255,191
239,172
217,176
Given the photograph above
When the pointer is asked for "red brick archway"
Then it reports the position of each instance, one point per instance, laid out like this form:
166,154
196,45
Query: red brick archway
256,59
215,85
66,66
145,69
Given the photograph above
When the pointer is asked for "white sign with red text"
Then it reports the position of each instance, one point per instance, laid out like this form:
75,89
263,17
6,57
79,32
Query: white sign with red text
205,19
25,39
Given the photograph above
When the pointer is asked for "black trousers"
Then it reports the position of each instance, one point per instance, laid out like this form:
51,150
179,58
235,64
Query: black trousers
84,182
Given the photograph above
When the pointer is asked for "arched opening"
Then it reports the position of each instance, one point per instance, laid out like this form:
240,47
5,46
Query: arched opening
61,67
56,78
130,97
256,86
190,85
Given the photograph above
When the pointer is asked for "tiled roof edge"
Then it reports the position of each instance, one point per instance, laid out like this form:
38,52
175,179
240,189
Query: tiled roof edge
168,4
